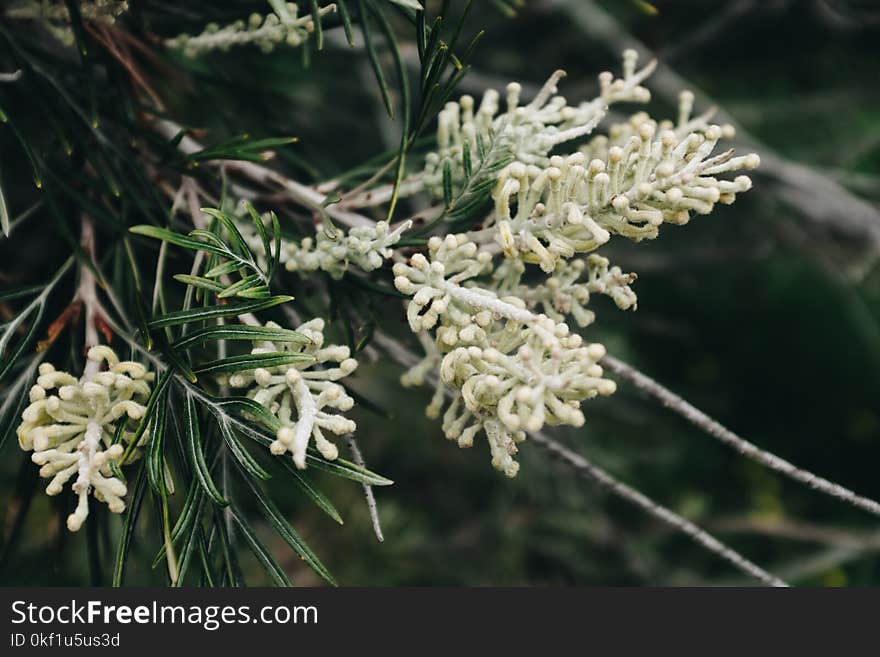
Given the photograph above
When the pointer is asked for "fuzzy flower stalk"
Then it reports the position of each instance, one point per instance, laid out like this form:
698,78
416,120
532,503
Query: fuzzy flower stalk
70,426
303,395
282,26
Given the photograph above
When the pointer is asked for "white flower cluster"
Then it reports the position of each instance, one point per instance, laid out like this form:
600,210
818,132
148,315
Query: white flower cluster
70,425
642,175
510,370
366,247
283,26
567,291
526,132
298,394
329,250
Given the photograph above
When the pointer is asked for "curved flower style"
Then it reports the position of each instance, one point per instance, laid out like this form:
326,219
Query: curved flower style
297,394
70,424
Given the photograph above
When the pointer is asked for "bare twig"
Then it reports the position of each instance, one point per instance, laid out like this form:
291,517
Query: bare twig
368,490
587,469
796,530
87,295
744,447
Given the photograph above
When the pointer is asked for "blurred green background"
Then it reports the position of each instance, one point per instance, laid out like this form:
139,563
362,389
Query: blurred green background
764,314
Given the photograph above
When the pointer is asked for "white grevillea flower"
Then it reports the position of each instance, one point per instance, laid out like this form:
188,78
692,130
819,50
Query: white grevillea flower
266,32
510,370
298,394
331,251
527,132
70,424
366,247
639,178
564,292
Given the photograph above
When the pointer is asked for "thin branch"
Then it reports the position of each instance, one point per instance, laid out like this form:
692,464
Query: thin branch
368,490
696,417
263,175
796,530
585,468
87,295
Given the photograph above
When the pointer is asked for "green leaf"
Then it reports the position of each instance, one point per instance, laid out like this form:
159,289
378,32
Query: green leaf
232,569
156,447
193,442
235,237
16,293
288,533
245,284
178,239
316,19
157,394
249,407
37,308
4,213
261,228
409,4
306,486
373,56
233,309
190,512
210,238
345,469
240,453
229,267
251,362
259,292
447,183
346,21
199,282
15,398
276,256
129,522
240,332
405,100
241,147
339,467
264,556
